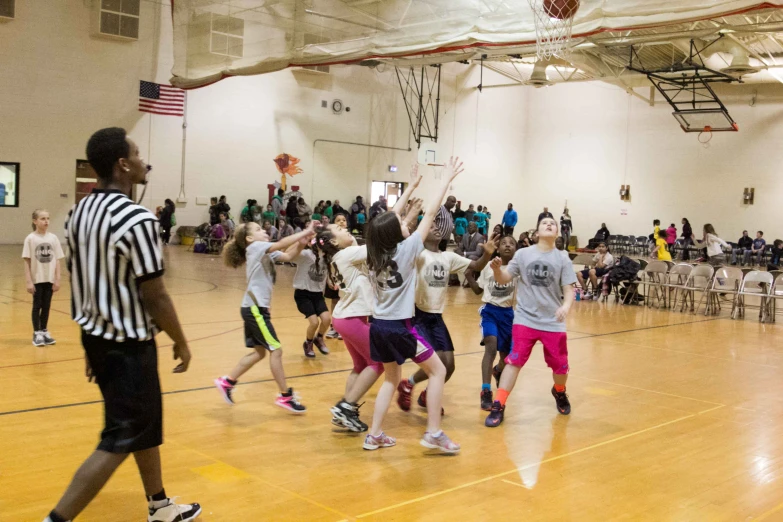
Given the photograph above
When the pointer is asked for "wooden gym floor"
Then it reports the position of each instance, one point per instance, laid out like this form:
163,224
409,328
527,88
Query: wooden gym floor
675,417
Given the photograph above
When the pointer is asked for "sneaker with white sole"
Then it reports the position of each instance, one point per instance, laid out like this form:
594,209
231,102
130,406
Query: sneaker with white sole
332,333
226,389
381,441
321,344
290,402
348,414
175,512
48,339
38,339
441,442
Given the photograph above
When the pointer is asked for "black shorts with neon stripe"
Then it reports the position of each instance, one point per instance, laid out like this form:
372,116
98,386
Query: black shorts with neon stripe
258,328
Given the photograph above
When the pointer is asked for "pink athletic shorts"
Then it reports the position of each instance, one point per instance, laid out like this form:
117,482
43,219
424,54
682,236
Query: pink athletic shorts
555,347
356,336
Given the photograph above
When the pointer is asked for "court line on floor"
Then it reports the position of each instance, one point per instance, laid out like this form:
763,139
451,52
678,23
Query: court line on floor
539,463
201,388
265,482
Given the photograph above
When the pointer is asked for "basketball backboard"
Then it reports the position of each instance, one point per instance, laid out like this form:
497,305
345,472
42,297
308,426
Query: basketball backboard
430,154
714,120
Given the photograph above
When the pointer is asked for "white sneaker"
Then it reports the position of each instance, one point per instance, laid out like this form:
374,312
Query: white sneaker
175,513
38,339
48,339
332,334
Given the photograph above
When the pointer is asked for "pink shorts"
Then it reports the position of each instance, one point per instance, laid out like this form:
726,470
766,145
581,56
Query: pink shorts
555,348
356,336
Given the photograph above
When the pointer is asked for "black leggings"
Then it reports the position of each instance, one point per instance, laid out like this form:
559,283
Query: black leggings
42,300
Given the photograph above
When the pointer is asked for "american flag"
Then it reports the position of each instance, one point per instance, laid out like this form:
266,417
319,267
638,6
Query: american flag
161,99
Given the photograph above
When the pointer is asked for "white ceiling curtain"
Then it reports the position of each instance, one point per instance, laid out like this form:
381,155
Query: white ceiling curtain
270,35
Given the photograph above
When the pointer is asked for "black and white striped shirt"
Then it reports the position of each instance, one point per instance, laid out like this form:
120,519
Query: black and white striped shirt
113,245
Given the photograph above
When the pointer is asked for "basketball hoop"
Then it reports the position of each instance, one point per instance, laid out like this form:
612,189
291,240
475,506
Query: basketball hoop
553,20
706,140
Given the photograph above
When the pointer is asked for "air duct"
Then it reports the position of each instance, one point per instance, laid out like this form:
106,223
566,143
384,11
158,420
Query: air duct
740,59
539,78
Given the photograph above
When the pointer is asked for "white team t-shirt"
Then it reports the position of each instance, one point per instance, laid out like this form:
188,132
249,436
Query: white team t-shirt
495,294
433,270
260,274
395,287
309,275
43,251
350,274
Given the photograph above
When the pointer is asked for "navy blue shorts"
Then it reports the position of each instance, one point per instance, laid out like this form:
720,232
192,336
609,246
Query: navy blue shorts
434,331
497,322
396,341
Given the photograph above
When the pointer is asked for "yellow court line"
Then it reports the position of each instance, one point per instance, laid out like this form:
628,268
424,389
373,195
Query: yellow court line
694,354
551,459
766,514
267,483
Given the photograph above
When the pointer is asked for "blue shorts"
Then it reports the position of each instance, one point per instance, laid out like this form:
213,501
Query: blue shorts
497,322
434,331
396,341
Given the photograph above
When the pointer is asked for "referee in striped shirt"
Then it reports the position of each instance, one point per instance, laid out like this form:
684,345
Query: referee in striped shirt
119,300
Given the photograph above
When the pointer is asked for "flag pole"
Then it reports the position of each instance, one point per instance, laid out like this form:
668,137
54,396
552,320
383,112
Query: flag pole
181,198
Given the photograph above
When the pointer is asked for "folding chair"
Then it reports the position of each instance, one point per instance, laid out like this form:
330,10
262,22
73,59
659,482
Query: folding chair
699,281
756,284
678,280
776,293
726,282
656,277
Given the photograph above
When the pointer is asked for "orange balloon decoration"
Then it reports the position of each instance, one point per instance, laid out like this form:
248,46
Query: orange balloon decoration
287,164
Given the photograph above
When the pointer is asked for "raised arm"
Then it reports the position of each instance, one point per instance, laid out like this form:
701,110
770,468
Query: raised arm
415,180
502,277
286,242
413,212
292,252
453,169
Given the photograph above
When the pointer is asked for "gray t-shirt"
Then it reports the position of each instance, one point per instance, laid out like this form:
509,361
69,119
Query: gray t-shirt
260,274
395,288
539,291
309,275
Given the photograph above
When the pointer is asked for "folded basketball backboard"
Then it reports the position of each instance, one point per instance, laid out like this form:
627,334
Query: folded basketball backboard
711,120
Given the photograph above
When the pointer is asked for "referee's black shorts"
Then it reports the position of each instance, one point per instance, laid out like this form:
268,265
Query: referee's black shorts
127,374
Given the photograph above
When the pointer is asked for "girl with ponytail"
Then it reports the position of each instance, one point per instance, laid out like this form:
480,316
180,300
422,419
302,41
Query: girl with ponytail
251,246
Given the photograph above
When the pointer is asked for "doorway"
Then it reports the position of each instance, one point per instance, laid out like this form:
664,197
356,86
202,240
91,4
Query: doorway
391,190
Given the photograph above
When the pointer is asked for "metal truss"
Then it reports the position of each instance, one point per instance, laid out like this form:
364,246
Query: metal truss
418,86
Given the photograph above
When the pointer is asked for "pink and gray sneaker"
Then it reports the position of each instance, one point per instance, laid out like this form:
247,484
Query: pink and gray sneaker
442,442
225,388
321,344
290,401
381,441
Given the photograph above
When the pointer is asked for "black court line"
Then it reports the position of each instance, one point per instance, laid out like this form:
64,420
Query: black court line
328,372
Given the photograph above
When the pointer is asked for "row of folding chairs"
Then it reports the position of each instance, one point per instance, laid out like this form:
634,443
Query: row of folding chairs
669,285
628,244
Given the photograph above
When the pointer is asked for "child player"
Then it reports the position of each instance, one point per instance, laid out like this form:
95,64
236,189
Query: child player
545,293
497,318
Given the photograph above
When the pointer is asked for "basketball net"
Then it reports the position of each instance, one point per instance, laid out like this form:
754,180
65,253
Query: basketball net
553,34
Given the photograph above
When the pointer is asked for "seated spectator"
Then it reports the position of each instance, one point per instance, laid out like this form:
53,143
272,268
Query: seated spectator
524,240
269,215
534,238
284,229
560,243
247,213
271,231
324,220
661,250
470,246
744,244
757,249
228,225
497,231
601,235
602,261
777,252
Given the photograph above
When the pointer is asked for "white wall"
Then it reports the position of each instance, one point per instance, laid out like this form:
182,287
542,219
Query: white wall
59,84
532,147
580,142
